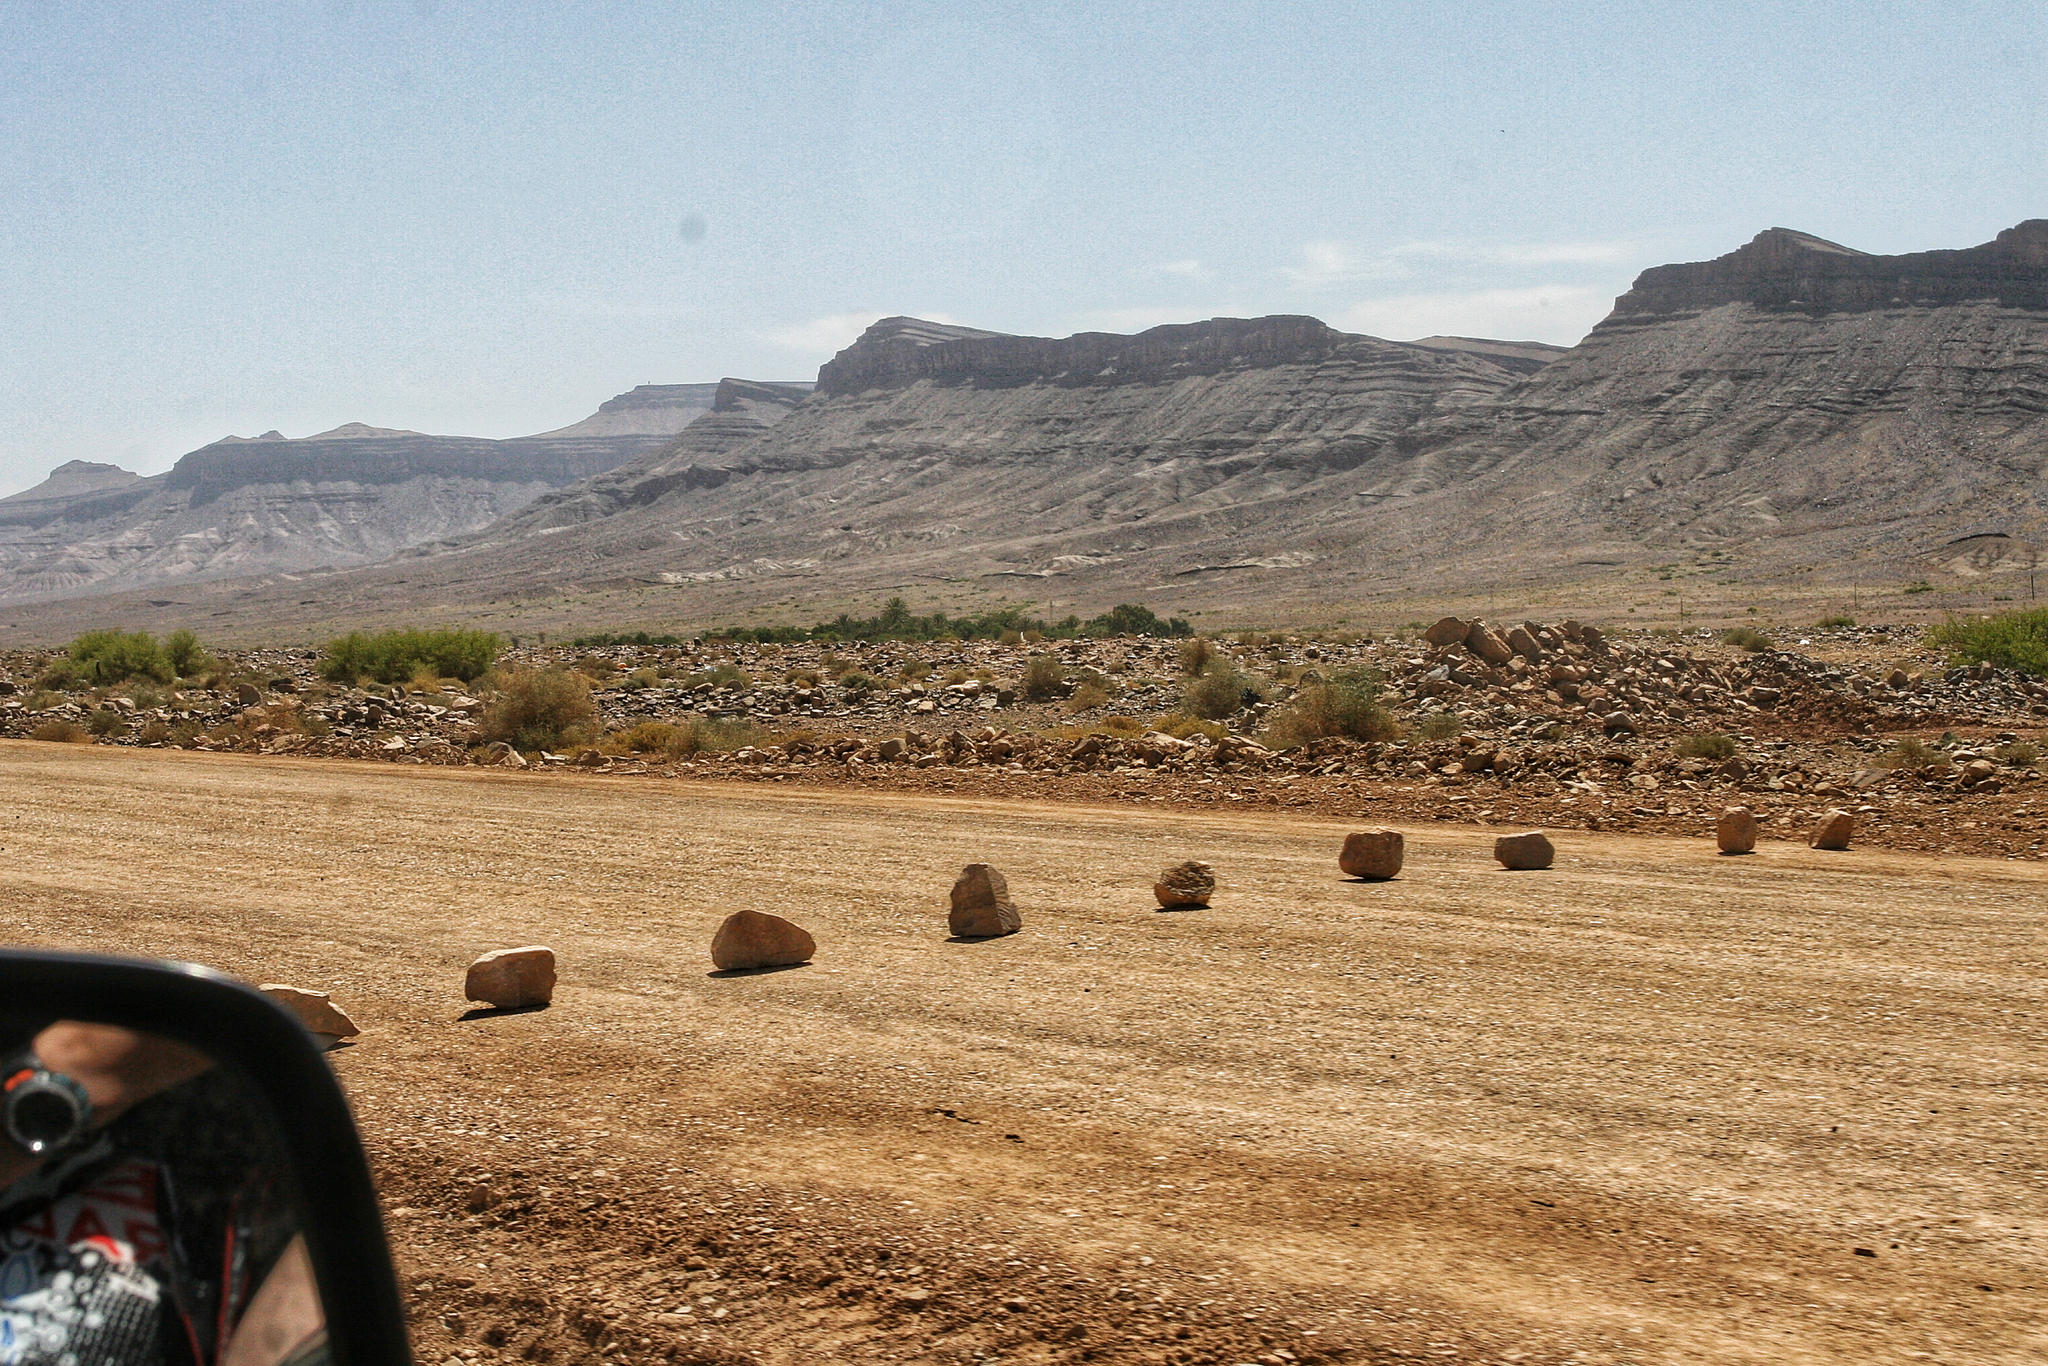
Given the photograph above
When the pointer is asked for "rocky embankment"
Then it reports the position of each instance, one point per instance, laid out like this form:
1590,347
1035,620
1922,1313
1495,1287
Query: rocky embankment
1555,724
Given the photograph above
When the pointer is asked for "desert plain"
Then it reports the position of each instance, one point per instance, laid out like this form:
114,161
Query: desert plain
1652,1105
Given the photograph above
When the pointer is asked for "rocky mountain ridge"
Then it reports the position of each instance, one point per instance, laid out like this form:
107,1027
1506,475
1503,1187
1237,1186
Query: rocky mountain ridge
352,495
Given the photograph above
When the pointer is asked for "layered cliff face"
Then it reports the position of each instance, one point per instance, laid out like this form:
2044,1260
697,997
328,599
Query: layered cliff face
352,495
1795,400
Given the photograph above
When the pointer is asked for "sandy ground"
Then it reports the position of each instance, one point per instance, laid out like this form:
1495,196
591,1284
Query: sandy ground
1644,1107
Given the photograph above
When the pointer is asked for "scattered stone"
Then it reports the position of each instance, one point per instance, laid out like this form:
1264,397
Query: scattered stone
1187,884
247,694
1527,851
324,1020
982,908
755,939
502,755
1833,829
1736,831
1372,854
507,978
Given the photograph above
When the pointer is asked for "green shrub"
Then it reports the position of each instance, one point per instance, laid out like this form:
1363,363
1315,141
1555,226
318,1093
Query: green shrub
1221,692
1704,746
642,678
98,659
670,740
537,709
1747,638
857,682
1832,623
396,656
1180,726
61,731
185,655
1346,703
2010,640
106,721
1044,678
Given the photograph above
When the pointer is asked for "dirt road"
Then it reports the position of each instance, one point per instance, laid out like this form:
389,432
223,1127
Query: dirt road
1644,1107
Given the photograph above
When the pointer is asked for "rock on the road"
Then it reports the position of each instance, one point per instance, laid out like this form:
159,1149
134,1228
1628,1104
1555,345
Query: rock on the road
1527,851
1736,831
755,939
324,1020
982,908
512,977
1372,854
1833,829
1185,885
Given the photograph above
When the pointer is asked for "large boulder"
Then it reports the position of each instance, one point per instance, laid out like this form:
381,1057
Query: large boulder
1482,641
1527,851
1833,829
1448,631
982,908
1736,831
1524,643
1372,854
509,978
1185,885
755,939
324,1020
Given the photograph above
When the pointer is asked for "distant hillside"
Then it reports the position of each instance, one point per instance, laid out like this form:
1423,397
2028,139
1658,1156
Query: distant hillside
352,495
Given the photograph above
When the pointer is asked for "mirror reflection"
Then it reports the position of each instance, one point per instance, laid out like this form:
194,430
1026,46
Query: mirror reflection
147,1213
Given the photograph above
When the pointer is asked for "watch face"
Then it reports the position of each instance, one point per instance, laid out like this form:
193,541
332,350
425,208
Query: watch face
44,1111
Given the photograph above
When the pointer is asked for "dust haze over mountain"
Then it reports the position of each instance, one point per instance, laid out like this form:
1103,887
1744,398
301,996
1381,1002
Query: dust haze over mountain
1792,408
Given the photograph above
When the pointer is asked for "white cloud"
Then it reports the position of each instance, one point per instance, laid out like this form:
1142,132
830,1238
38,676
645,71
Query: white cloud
1329,262
1560,314
836,331
1186,270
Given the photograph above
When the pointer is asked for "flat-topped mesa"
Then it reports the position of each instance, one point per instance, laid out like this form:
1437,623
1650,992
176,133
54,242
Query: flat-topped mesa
1793,271
897,352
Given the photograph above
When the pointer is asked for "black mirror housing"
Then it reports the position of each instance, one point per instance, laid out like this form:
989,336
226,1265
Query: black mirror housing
270,1052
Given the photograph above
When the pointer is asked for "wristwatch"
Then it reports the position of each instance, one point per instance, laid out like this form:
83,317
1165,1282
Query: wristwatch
42,1111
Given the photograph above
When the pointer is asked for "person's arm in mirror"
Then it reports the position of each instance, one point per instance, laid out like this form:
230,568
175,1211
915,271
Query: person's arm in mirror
118,1068
284,1322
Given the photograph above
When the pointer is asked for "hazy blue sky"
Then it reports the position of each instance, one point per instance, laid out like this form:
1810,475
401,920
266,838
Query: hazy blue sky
487,218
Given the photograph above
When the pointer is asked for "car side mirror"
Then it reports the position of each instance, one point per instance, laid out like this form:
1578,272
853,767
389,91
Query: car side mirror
178,1166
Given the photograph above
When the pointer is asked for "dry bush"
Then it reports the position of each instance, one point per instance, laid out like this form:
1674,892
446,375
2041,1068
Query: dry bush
1123,725
1221,692
1706,746
1196,654
2019,752
537,709
671,741
857,682
1442,725
59,730
1044,678
154,733
1086,697
1911,752
808,678
1347,704
42,699
1010,638
106,721
596,668
1747,638
914,670
1180,726
640,679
